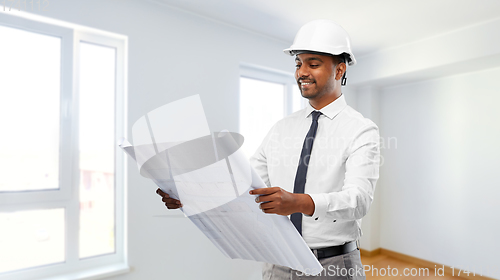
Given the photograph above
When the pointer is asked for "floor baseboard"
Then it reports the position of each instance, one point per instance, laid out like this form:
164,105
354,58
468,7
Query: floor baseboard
421,262
370,254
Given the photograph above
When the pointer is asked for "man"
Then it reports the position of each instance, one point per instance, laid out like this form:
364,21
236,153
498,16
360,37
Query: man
341,167
322,160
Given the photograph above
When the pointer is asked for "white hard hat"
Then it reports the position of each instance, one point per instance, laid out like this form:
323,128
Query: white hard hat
324,36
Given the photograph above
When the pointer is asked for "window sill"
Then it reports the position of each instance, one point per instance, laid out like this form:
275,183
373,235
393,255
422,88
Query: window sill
94,273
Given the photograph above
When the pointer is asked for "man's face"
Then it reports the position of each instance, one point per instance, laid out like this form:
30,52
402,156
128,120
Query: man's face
315,75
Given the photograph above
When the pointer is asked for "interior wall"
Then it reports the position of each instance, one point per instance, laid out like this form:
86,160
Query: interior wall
437,111
174,54
367,103
441,186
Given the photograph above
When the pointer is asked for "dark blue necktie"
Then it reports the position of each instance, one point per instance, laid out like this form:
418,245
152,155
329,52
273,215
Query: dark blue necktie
300,177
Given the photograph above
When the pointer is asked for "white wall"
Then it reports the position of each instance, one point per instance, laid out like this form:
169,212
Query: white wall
367,102
439,184
173,54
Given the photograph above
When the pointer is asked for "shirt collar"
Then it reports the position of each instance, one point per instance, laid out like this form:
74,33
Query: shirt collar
330,110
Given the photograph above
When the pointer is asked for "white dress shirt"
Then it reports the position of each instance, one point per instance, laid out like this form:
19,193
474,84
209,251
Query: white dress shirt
342,172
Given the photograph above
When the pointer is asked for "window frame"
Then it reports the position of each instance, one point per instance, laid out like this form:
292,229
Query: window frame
67,196
65,141
262,73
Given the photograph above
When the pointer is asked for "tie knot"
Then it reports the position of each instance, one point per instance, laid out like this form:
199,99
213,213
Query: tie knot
315,115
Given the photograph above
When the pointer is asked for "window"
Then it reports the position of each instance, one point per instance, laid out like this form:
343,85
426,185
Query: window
62,186
266,96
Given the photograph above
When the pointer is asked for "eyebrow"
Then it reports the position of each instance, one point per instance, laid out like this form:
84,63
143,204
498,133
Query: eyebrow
309,59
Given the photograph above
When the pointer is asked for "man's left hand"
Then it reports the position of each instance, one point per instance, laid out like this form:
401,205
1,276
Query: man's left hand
276,200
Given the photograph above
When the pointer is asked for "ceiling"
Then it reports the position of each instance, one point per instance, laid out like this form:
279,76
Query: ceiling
372,24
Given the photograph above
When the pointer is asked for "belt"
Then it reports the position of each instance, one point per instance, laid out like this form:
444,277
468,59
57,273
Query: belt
333,251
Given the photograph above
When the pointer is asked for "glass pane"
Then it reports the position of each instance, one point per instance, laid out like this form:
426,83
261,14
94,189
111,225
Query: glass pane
29,110
261,106
31,238
97,146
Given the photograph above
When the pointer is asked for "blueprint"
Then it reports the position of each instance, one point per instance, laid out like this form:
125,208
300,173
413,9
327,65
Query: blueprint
209,174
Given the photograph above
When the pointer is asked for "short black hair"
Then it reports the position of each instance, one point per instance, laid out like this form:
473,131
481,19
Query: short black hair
340,58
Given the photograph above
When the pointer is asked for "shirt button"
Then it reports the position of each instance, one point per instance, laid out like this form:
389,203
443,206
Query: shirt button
316,219
334,221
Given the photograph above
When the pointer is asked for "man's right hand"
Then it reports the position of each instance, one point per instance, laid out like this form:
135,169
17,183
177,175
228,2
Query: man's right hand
171,203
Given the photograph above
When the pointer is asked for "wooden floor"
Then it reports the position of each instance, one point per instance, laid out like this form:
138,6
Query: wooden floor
385,267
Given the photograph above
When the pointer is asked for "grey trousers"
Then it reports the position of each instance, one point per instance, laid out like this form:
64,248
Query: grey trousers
347,266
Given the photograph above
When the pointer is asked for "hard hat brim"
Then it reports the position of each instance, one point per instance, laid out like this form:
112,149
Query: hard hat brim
349,56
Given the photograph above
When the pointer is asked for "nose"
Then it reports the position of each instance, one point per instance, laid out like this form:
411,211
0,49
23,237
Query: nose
301,72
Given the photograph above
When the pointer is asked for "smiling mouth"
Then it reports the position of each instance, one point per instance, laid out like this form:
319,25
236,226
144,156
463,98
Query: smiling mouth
305,84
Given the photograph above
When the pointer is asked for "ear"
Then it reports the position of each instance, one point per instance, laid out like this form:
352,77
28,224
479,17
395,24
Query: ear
340,70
